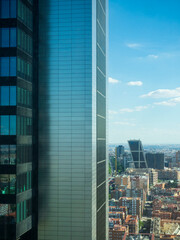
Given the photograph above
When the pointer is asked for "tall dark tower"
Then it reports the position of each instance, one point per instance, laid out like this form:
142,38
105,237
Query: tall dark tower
16,76
137,153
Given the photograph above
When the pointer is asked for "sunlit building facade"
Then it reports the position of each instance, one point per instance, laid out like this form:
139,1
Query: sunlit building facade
72,120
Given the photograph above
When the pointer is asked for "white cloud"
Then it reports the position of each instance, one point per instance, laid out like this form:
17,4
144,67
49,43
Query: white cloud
133,45
163,93
135,109
112,112
171,102
125,124
152,56
149,57
112,80
136,83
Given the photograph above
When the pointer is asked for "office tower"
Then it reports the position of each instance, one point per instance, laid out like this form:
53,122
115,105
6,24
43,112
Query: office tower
178,158
58,49
16,75
120,150
155,160
137,153
72,120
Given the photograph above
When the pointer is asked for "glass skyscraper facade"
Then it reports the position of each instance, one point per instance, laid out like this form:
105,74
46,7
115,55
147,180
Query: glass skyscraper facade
137,153
53,161
16,50
72,120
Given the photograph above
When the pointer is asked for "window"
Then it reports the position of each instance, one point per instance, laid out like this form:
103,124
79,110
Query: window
24,210
12,95
12,37
24,153
24,69
7,37
24,97
8,125
24,41
12,66
24,182
4,125
7,66
7,95
24,14
7,184
24,125
8,154
8,9
4,96
12,125
8,210
4,32
4,66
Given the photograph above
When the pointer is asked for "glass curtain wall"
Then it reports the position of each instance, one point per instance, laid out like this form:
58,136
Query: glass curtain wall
16,117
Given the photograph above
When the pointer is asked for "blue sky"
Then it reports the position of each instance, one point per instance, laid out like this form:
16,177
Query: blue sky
144,71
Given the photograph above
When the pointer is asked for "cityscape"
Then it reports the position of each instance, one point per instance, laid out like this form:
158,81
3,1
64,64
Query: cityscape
89,120
144,192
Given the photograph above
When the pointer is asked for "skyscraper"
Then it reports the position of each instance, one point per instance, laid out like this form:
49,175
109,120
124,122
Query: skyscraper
155,160
72,120
137,153
16,51
120,150
54,53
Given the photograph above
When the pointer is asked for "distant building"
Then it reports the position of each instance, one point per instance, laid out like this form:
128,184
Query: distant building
133,205
118,217
155,160
140,182
127,160
133,224
123,180
169,174
153,177
178,158
118,232
137,193
120,150
153,174
114,206
137,153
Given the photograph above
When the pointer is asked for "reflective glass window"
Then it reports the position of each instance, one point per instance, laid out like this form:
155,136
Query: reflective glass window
8,124
8,95
12,154
7,184
4,8
8,9
12,125
12,66
8,154
4,66
13,95
12,37
13,8
4,125
7,37
4,37
4,96
8,210
4,154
